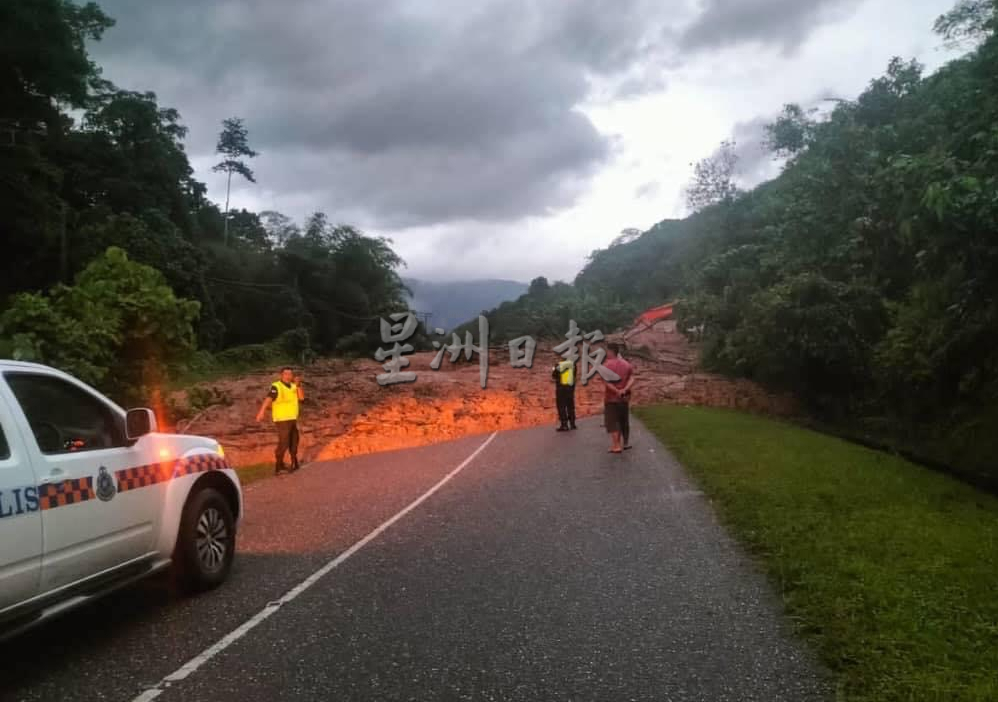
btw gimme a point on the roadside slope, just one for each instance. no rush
(348, 413)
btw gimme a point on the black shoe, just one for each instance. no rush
(562, 428)
(294, 465)
(572, 426)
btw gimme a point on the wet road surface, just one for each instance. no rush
(544, 569)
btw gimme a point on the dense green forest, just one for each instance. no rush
(864, 278)
(547, 309)
(96, 190)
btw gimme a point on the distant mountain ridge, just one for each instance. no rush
(456, 302)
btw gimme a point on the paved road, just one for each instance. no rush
(545, 569)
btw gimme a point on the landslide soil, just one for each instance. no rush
(346, 412)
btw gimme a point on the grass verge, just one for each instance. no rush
(252, 473)
(206, 368)
(889, 569)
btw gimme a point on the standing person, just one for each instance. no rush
(625, 397)
(563, 375)
(283, 399)
(615, 399)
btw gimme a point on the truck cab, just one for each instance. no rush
(93, 498)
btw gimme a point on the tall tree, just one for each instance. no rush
(713, 179)
(44, 68)
(44, 61)
(968, 21)
(233, 143)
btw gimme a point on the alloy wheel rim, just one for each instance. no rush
(212, 539)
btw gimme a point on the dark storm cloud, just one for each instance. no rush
(414, 113)
(783, 23)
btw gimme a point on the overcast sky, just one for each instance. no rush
(497, 138)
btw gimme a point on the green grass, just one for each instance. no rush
(252, 473)
(889, 569)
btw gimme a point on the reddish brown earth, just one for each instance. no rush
(346, 412)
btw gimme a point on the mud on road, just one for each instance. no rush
(347, 413)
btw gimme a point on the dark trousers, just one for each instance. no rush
(625, 423)
(616, 417)
(565, 399)
(287, 440)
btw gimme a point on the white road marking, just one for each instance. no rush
(199, 660)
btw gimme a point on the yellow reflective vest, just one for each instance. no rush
(285, 407)
(566, 370)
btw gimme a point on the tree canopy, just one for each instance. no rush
(87, 168)
(865, 277)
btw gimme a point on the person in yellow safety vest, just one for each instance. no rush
(283, 399)
(563, 374)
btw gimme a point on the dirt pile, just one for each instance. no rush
(662, 344)
(348, 413)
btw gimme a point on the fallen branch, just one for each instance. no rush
(182, 428)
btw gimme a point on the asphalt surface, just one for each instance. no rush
(547, 569)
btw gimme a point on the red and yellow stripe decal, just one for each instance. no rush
(68, 492)
(153, 473)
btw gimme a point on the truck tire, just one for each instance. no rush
(206, 543)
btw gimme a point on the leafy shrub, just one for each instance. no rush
(200, 397)
(247, 355)
(118, 327)
(294, 341)
(355, 344)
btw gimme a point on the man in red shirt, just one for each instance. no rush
(616, 397)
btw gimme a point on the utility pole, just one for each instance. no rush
(424, 319)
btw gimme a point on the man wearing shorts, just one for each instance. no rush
(616, 408)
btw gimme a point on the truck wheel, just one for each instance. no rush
(206, 544)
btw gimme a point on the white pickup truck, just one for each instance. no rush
(93, 498)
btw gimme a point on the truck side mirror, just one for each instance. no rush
(139, 422)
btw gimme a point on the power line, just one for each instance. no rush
(248, 283)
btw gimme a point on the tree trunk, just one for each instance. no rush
(225, 225)
(63, 245)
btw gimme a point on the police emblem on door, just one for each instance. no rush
(105, 485)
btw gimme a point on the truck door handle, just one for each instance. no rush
(55, 475)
